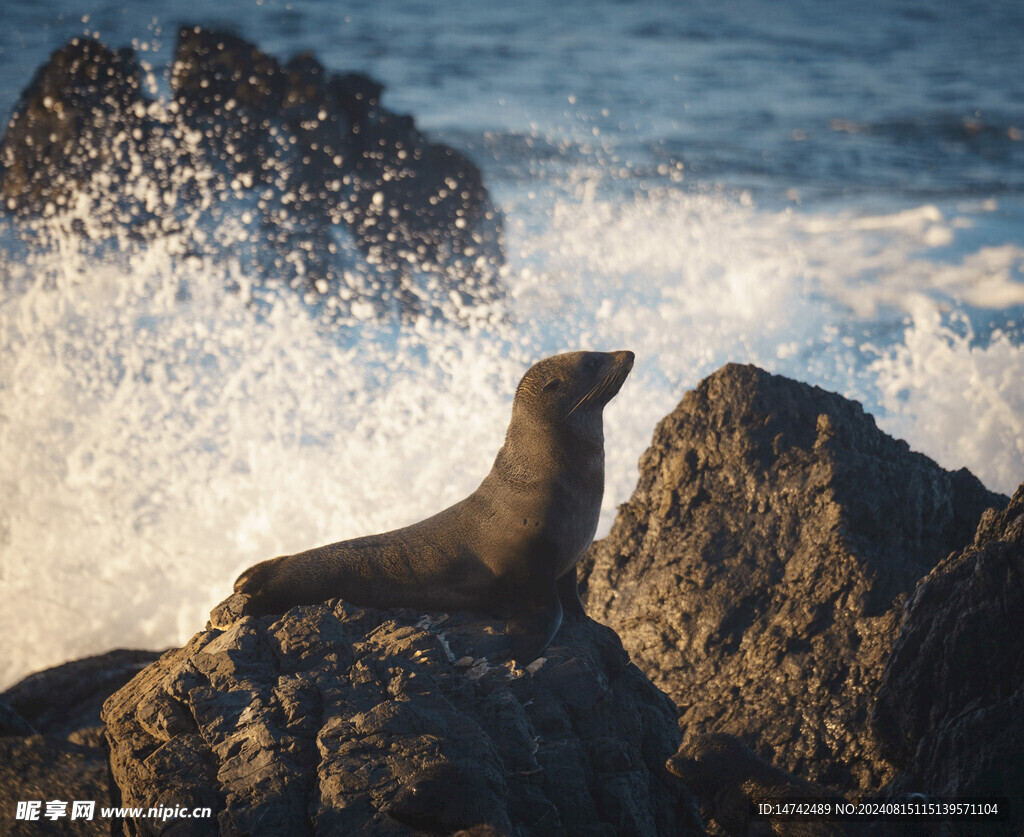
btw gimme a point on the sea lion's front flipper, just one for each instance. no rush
(569, 596)
(531, 629)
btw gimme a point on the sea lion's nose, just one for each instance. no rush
(624, 356)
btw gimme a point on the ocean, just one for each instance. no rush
(834, 192)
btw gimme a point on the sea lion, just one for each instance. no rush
(510, 548)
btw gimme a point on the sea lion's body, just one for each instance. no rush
(510, 548)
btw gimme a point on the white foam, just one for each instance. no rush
(960, 402)
(157, 447)
(692, 281)
(154, 447)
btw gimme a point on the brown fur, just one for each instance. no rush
(510, 548)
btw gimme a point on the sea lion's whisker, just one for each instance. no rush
(586, 397)
(606, 382)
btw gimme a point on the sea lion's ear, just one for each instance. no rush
(554, 383)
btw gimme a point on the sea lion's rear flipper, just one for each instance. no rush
(531, 629)
(569, 596)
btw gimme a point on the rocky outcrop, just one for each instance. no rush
(779, 572)
(758, 572)
(342, 158)
(283, 161)
(82, 112)
(69, 697)
(951, 705)
(729, 779)
(42, 769)
(51, 745)
(334, 719)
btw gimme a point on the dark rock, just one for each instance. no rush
(248, 113)
(758, 571)
(69, 697)
(343, 158)
(82, 110)
(731, 782)
(68, 762)
(11, 723)
(728, 777)
(313, 156)
(42, 769)
(427, 802)
(334, 719)
(951, 707)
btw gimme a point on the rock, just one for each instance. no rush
(272, 131)
(83, 115)
(42, 769)
(312, 155)
(334, 719)
(950, 710)
(11, 723)
(758, 572)
(69, 697)
(67, 762)
(728, 778)
(345, 159)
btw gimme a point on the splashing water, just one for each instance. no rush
(155, 446)
(159, 432)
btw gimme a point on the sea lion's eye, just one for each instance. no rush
(554, 383)
(590, 363)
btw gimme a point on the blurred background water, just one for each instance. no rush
(832, 191)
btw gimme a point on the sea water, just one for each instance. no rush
(832, 192)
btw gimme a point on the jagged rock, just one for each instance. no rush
(728, 778)
(334, 719)
(52, 744)
(274, 130)
(758, 571)
(951, 706)
(83, 112)
(69, 697)
(313, 156)
(405, 199)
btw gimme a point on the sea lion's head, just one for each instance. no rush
(571, 388)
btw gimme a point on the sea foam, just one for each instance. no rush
(158, 442)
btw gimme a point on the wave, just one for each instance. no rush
(156, 443)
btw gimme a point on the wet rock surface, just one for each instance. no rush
(757, 574)
(951, 706)
(339, 720)
(82, 112)
(283, 165)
